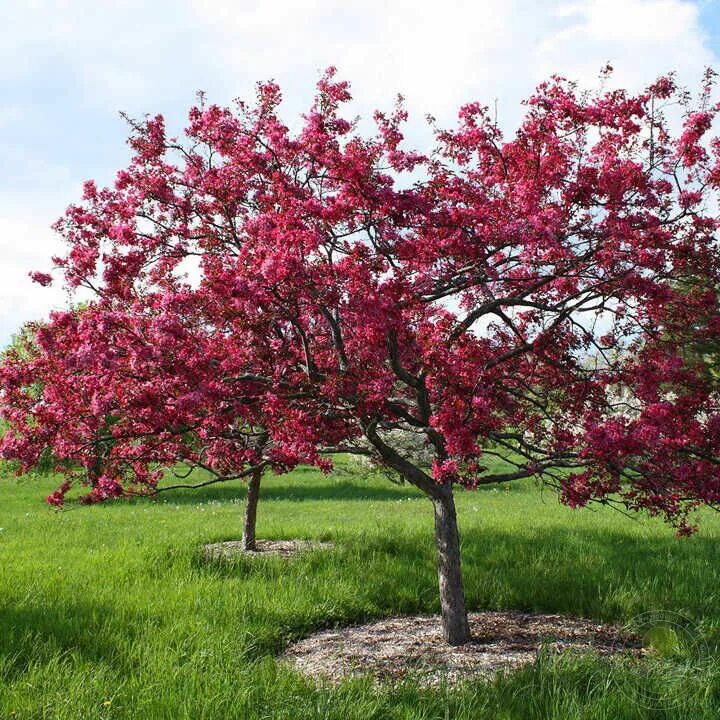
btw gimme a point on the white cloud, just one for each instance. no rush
(26, 244)
(115, 55)
(440, 55)
(436, 55)
(641, 38)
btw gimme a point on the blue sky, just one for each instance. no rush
(710, 22)
(67, 68)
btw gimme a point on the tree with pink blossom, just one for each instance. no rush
(335, 298)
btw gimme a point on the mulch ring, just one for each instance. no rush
(392, 649)
(233, 549)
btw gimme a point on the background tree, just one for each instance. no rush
(339, 300)
(24, 351)
(700, 346)
(21, 347)
(78, 390)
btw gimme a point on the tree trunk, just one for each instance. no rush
(452, 596)
(251, 503)
(96, 469)
(456, 629)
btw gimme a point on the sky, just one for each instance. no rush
(68, 67)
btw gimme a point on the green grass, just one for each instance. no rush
(109, 611)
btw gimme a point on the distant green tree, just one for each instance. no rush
(701, 346)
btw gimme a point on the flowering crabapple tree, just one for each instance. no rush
(21, 345)
(76, 389)
(24, 350)
(493, 306)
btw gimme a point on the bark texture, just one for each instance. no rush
(251, 503)
(452, 595)
(95, 470)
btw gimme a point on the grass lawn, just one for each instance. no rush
(110, 612)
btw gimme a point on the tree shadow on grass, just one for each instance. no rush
(600, 574)
(33, 635)
(294, 491)
(606, 576)
(297, 490)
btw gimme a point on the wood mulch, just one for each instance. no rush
(233, 549)
(395, 648)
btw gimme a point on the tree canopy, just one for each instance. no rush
(309, 284)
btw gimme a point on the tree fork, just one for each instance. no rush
(447, 539)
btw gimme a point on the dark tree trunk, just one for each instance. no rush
(96, 469)
(452, 596)
(251, 503)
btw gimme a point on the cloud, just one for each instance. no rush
(440, 55)
(139, 56)
(25, 244)
(641, 38)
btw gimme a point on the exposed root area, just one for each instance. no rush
(282, 548)
(394, 648)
